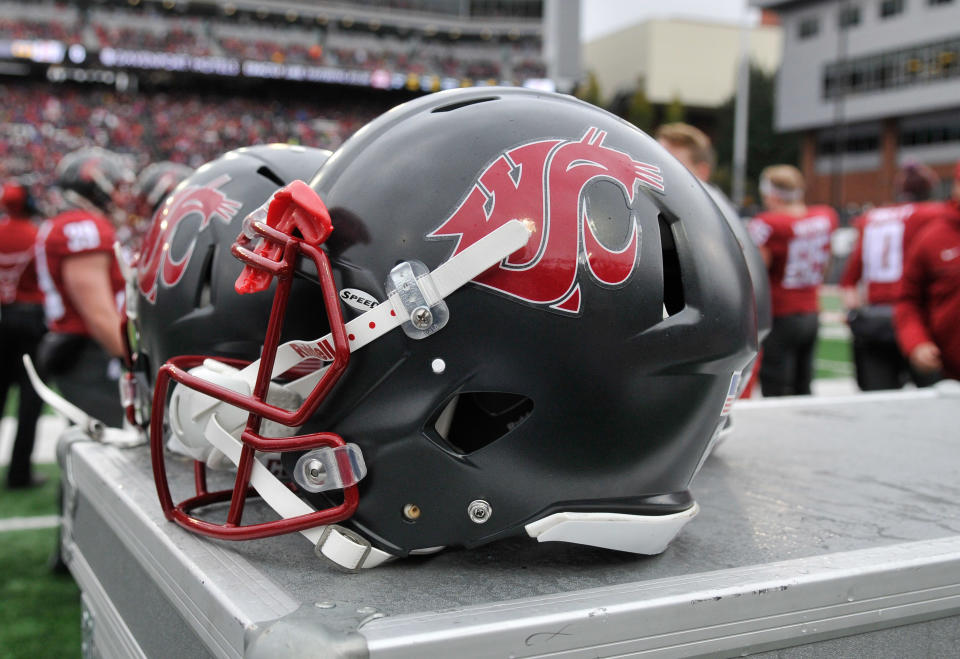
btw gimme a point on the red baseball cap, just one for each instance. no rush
(14, 197)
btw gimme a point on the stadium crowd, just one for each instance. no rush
(27, 29)
(175, 38)
(38, 126)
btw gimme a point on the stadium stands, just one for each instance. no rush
(107, 28)
(38, 21)
(491, 50)
(38, 124)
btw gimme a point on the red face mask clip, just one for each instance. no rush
(293, 209)
(296, 223)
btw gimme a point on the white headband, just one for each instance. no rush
(769, 189)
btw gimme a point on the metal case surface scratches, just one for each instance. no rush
(829, 525)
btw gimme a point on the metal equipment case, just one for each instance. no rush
(830, 526)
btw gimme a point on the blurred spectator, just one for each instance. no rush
(694, 150)
(871, 280)
(690, 146)
(794, 240)
(21, 324)
(915, 182)
(927, 315)
(82, 283)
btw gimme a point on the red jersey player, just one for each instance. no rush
(927, 314)
(21, 324)
(82, 283)
(871, 281)
(794, 240)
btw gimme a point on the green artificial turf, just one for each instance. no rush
(40, 610)
(34, 501)
(13, 398)
(833, 359)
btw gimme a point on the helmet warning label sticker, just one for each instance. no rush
(732, 392)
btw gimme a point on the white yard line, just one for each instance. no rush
(834, 366)
(29, 523)
(833, 331)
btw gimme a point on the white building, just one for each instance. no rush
(693, 62)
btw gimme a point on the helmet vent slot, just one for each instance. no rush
(463, 104)
(266, 172)
(473, 420)
(673, 294)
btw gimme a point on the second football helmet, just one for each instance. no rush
(154, 183)
(533, 320)
(99, 177)
(181, 298)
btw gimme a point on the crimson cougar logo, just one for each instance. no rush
(542, 182)
(156, 264)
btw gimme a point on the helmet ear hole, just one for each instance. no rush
(204, 296)
(673, 295)
(470, 421)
